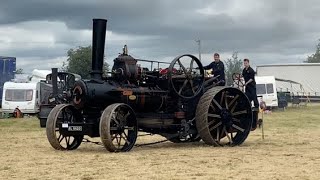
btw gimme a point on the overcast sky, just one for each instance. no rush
(39, 32)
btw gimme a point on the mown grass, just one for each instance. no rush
(290, 150)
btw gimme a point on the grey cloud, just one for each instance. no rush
(272, 28)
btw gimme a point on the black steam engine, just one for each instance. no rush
(177, 102)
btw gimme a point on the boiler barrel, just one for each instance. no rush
(100, 95)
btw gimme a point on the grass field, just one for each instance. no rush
(290, 150)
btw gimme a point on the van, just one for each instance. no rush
(24, 96)
(267, 90)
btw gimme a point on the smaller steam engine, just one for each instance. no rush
(177, 102)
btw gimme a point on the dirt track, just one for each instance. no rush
(291, 150)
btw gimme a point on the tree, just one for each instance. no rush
(19, 71)
(315, 58)
(232, 65)
(79, 62)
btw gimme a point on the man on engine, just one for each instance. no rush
(217, 67)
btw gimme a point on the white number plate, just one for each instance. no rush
(75, 128)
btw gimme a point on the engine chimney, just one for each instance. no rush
(98, 43)
(54, 81)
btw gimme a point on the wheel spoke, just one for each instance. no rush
(129, 128)
(183, 86)
(125, 138)
(191, 65)
(215, 126)
(113, 128)
(114, 137)
(66, 139)
(226, 132)
(226, 102)
(236, 120)
(192, 88)
(183, 68)
(222, 97)
(238, 128)
(119, 144)
(61, 139)
(240, 112)
(233, 100)
(234, 107)
(209, 123)
(216, 103)
(214, 115)
(218, 135)
(212, 107)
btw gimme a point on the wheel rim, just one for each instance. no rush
(63, 114)
(118, 128)
(186, 83)
(226, 118)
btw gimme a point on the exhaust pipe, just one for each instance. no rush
(98, 43)
(54, 82)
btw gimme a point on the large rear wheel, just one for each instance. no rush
(224, 116)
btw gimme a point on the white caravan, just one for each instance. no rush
(267, 90)
(24, 96)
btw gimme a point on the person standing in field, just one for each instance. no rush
(250, 83)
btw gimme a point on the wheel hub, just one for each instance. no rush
(226, 118)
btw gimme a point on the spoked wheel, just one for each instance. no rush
(238, 80)
(186, 82)
(224, 116)
(118, 128)
(63, 113)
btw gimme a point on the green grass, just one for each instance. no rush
(21, 124)
(294, 118)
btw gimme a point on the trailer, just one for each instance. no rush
(303, 74)
(7, 71)
(24, 96)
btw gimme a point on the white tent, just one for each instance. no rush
(38, 75)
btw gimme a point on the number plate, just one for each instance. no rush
(75, 128)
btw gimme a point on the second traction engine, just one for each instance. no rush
(177, 102)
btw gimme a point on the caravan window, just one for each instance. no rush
(270, 89)
(261, 89)
(18, 95)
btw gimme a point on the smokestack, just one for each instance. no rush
(98, 42)
(54, 81)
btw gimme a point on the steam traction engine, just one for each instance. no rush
(177, 102)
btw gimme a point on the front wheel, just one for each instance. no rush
(63, 113)
(118, 128)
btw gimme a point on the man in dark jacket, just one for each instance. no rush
(250, 83)
(217, 67)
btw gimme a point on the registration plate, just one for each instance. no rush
(75, 128)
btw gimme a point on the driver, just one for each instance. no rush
(217, 67)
